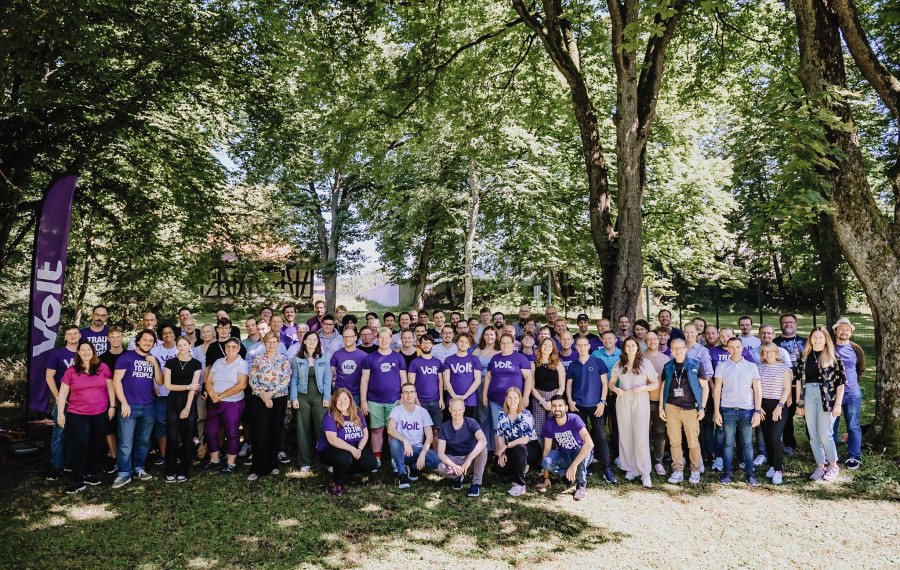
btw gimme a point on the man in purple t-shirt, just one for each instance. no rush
(346, 364)
(60, 360)
(315, 323)
(425, 372)
(96, 334)
(383, 373)
(289, 336)
(136, 375)
(574, 445)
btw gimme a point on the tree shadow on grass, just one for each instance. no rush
(281, 521)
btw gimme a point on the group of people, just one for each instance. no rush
(453, 397)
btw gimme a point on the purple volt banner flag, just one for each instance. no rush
(47, 277)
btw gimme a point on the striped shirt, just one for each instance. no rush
(770, 376)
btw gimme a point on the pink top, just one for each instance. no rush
(87, 394)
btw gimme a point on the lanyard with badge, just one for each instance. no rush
(678, 391)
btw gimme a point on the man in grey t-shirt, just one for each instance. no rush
(738, 405)
(410, 426)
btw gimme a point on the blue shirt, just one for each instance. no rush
(587, 384)
(608, 359)
(848, 356)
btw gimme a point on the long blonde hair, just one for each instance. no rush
(828, 357)
(553, 360)
(336, 413)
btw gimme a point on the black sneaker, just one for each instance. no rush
(457, 484)
(852, 463)
(404, 482)
(91, 480)
(474, 490)
(228, 469)
(75, 488)
(160, 461)
(111, 467)
(211, 466)
(413, 474)
(54, 473)
(283, 458)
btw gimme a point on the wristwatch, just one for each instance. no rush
(780, 404)
(757, 411)
(602, 401)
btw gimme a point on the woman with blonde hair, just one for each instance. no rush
(342, 445)
(549, 380)
(775, 378)
(519, 443)
(819, 377)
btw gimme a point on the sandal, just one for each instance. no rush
(544, 485)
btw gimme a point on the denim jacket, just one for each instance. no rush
(692, 367)
(300, 372)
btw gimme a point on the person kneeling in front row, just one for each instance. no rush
(574, 446)
(411, 434)
(342, 445)
(461, 445)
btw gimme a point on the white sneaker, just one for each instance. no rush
(777, 479)
(677, 477)
(717, 464)
(305, 469)
(660, 470)
(517, 490)
(760, 459)
(702, 467)
(646, 482)
(770, 473)
(695, 477)
(631, 475)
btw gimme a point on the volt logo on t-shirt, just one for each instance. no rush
(506, 364)
(461, 368)
(429, 369)
(386, 366)
(348, 367)
(408, 426)
(69, 362)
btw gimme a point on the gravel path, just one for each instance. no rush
(667, 527)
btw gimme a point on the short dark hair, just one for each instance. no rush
(107, 308)
(348, 318)
(350, 329)
(140, 335)
(498, 313)
(457, 313)
(423, 312)
(484, 310)
(736, 339)
(608, 332)
(417, 325)
(436, 311)
(178, 312)
(288, 306)
(367, 327)
(371, 314)
(403, 313)
(782, 317)
(642, 323)
(426, 337)
(558, 397)
(619, 318)
(745, 317)
(70, 327)
(223, 322)
(661, 311)
(328, 318)
(388, 314)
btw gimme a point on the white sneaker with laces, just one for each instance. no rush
(770, 473)
(631, 475)
(717, 464)
(760, 459)
(695, 477)
(777, 479)
(677, 477)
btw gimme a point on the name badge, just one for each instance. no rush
(679, 392)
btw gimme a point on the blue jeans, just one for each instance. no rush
(559, 460)
(401, 461)
(851, 406)
(160, 410)
(734, 420)
(134, 439)
(60, 446)
(820, 425)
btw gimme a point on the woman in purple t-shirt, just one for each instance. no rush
(342, 444)
(88, 389)
(507, 369)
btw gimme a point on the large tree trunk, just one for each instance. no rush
(471, 231)
(619, 246)
(85, 278)
(867, 240)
